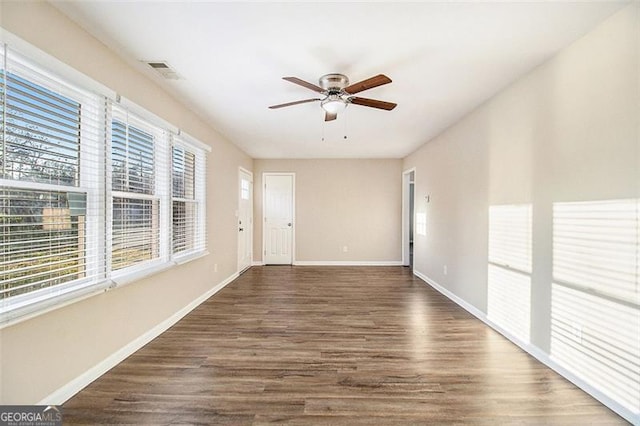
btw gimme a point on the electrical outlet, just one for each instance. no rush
(345, 249)
(215, 267)
(444, 269)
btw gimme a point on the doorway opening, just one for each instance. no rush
(408, 216)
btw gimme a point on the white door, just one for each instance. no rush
(245, 219)
(278, 218)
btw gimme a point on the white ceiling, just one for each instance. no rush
(444, 59)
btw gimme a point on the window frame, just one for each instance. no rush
(198, 201)
(97, 186)
(159, 194)
(88, 153)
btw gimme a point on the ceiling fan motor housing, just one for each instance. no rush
(334, 82)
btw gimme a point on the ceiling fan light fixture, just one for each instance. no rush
(333, 104)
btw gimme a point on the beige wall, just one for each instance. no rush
(568, 131)
(42, 354)
(353, 203)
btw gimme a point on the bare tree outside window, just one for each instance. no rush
(41, 235)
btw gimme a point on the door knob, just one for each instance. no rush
(289, 224)
(241, 229)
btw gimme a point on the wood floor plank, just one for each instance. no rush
(332, 345)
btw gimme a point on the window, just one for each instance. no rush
(76, 217)
(43, 239)
(245, 189)
(187, 188)
(137, 150)
(42, 134)
(49, 166)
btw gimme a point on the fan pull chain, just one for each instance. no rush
(345, 123)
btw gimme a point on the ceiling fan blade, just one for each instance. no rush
(373, 103)
(369, 83)
(296, 80)
(330, 116)
(293, 103)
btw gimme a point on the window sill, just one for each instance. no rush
(76, 294)
(127, 277)
(27, 311)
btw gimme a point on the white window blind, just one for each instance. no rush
(188, 192)
(51, 196)
(87, 191)
(41, 134)
(509, 268)
(595, 309)
(138, 162)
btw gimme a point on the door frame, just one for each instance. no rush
(293, 213)
(242, 170)
(406, 181)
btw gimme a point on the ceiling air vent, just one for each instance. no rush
(164, 70)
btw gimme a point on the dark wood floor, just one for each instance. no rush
(332, 345)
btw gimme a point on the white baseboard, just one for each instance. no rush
(346, 263)
(76, 385)
(337, 263)
(535, 352)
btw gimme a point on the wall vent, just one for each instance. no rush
(164, 69)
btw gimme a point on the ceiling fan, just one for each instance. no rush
(338, 93)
